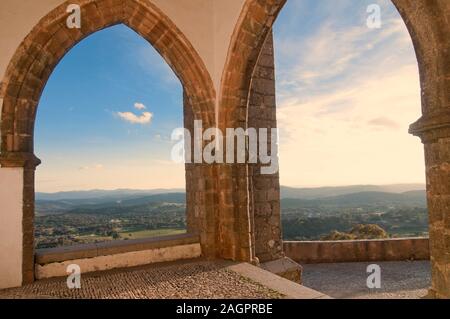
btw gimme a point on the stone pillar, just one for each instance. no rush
(23, 166)
(217, 202)
(429, 26)
(201, 195)
(434, 130)
(265, 189)
(201, 209)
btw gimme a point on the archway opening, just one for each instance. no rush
(348, 88)
(103, 133)
(28, 71)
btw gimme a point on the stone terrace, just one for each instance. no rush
(399, 280)
(187, 280)
(220, 279)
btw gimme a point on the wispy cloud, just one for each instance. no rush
(144, 118)
(332, 57)
(130, 117)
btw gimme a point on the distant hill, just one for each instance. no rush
(361, 199)
(97, 194)
(321, 192)
(411, 195)
(49, 207)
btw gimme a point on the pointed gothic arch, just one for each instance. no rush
(38, 55)
(429, 29)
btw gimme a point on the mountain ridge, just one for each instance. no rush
(415, 198)
(409, 199)
(286, 192)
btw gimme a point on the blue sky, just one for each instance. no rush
(346, 95)
(81, 138)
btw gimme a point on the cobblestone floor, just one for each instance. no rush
(200, 279)
(203, 279)
(399, 280)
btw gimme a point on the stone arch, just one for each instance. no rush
(248, 40)
(426, 23)
(429, 28)
(254, 26)
(40, 52)
(50, 39)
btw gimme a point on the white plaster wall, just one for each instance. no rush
(226, 15)
(17, 19)
(209, 25)
(11, 180)
(196, 20)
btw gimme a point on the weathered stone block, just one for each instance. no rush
(286, 268)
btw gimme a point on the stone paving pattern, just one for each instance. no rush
(399, 280)
(188, 280)
(212, 280)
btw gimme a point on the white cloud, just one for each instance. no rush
(330, 58)
(144, 118)
(139, 106)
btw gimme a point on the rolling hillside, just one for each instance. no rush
(354, 200)
(105, 204)
(84, 217)
(321, 192)
(347, 196)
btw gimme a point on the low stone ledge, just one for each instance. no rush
(286, 268)
(286, 287)
(310, 252)
(61, 254)
(120, 261)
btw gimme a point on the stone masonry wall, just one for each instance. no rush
(437, 159)
(201, 195)
(429, 25)
(265, 189)
(316, 252)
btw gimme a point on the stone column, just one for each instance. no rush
(201, 195)
(434, 130)
(217, 202)
(265, 189)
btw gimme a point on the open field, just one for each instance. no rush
(133, 235)
(151, 233)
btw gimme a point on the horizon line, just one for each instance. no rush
(184, 188)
